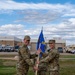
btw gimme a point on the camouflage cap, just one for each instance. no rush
(51, 41)
(27, 37)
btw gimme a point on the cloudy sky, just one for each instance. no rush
(27, 17)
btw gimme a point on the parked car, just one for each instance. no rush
(16, 48)
(12, 49)
(9, 49)
(60, 49)
(0, 48)
(73, 51)
(3, 48)
(68, 51)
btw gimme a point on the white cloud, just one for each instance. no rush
(72, 20)
(38, 16)
(41, 14)
(10, 4)
(17, 30)
(50, 31)
(11, 29)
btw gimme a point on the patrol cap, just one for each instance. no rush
(51, 41)
(27, 37)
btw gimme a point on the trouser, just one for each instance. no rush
(53, 73)
(22, 70)
(42, 70)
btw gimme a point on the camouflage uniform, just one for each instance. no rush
(42, 68)
(53, 62)
(24, 60)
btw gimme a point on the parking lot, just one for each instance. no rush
(8, 48)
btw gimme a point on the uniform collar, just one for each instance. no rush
(24, 45)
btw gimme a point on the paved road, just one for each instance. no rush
(8, 53)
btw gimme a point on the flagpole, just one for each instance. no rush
(37, 65)
(41, 47)
(36, 72)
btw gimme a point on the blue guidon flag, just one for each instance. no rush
(41, 42)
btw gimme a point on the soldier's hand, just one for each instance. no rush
(37, 62)
(38, 51)
(35, 68)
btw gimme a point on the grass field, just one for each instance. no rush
(67, 66)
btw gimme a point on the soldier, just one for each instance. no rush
(24, 57)
(52, 59)
(42, 68)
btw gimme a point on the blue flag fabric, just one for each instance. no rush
(41, 42)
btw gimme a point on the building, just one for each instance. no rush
(70, 47)
(60, 43)
(13, 41)
(10, 40)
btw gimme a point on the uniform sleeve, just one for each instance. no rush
(49, 57)
(52, 56)
(44, 54)
(26, 56)
(44, 59)
(33, 56)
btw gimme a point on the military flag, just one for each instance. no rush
(40, 45)
(41, 42)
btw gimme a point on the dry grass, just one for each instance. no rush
(67, 66)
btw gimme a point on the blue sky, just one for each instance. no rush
(47, 1)
(27, 17)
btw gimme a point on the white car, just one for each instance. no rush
(0, 48)
(73, 51)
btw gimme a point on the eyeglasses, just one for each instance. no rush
(50, 43)
(28, 40)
